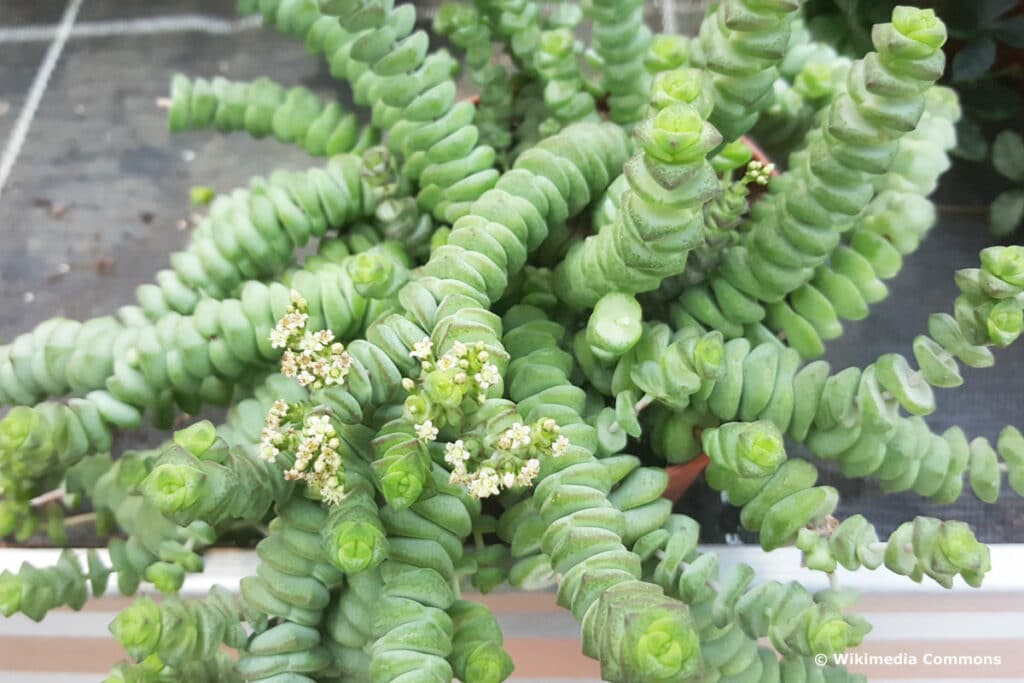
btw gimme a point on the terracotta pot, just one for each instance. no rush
(681, 477)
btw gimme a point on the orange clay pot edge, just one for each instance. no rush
(681, 477)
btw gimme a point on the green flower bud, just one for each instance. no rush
(1005, 322)
(166, 577)
(920, 25)
(676, 134)
(829, 635)
(454, 16)
(682, 86)
(559, 43)
(442, 387)
(138, 628)
(488, 663)
(10, 593)
(360, 546)
(401, 487)
(959, 546)
(1006, 263)
(760, 450)
(419, 408)
(817, 554)
(662, 647)
(815, 81)
(667, 52)
(16, 427)
(371, 274)
(173, 487)
(376, 163)
(196, 438)
(709, 355)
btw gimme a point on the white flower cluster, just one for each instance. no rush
(317, 460)
(516, 462)
(316, 450)
(313, 358)
(274, 434)
(292, 325)
(470, 366)
(759, 172)
(426, 431)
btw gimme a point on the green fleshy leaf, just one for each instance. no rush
(1008, 155)
(1007, 212)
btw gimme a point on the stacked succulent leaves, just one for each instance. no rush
(519, 311)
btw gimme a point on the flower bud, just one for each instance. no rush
(1005, 322)
(489, 663)
(682, 86)
(815, 81)
(961, 549)
(1006, 263)
(138, 628)
(829, 634)
(675, 133)
(16, 427)
(360, 546)
(401, 487)
(173, 487)
(166, 577)
(709, 355)
(559, 43)
(760, 450)
(667, 51)
(920, 25)
(196, 438)
(665, 648)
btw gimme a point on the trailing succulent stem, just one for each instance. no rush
(514, 310)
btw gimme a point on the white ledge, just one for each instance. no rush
(226, 567)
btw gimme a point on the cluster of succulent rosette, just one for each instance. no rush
(519, 310)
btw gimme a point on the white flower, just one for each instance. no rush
(483, 483)
(560, 445)
(459, 349)
(278, 410)
(408, 384)
(421, 350)
(447, 362)
(528, 472)
(268, 451)
(459, 474)
(309, 343)
(426, 431)
(518, 435)
(508, 480)
(487, 376)
(318, 427)
(279, 338)
(297, 299)
(331, 491)
(456, 452)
